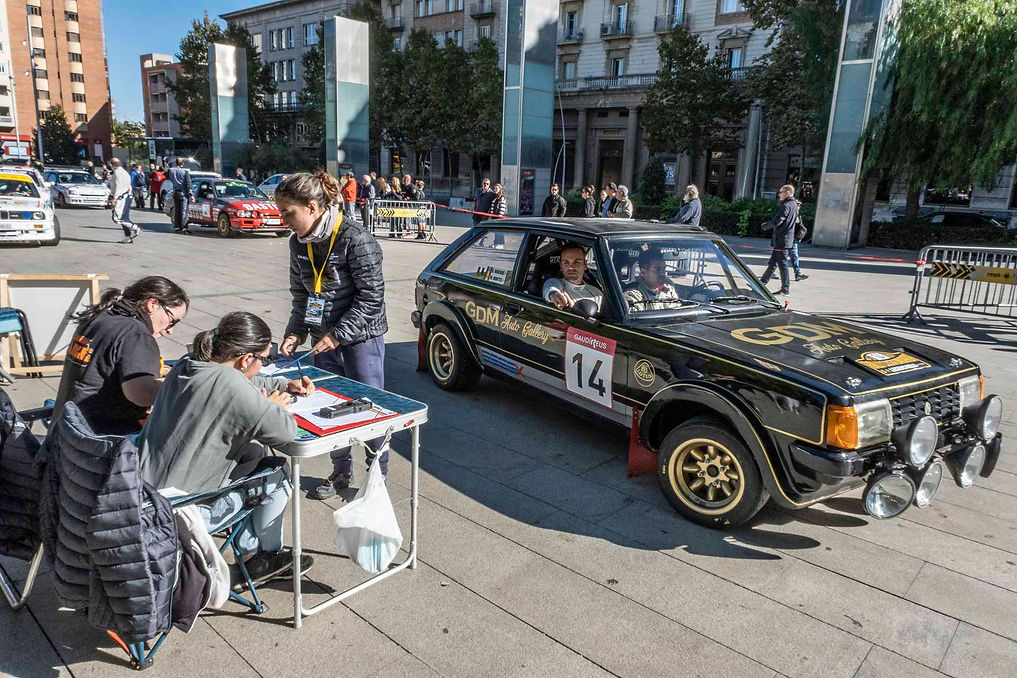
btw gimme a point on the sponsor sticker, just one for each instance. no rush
(589, 365)
(889, 363)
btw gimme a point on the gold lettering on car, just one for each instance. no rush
(509, 323)
(536, 331)
(485, 315)
(783, 334)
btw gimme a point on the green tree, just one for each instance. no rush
(57, 138)
(795, 77)
(951, 119)
(312, 96)
(125, 130)
(414, 119)
(192, 88)
(652, 183)
(693, 105)
(484, 102)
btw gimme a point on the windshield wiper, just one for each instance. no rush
(680, 302)
(741, 299)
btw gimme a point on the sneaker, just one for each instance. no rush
(783, 292)
(332, 485)
(265, 567)
(799, 278)
(128, 240)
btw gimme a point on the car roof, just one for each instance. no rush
(598, 227)
(15, 175)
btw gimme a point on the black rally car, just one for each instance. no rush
(740, 400)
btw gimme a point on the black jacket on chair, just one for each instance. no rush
(110, 536)
(20, 483)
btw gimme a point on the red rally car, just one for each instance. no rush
(234, 207)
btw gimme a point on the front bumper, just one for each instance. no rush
(28, 234)
(258, 225)
(87, 200)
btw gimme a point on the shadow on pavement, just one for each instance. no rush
(1000, 334)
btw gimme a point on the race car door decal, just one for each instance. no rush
(589, 365)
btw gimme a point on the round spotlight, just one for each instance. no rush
(928, 484)
(888, 494)
(967, 464)
(990, 413)
(920, 441)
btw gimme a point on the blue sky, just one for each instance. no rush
(136, 27)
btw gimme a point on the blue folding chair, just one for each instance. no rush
(14, 321)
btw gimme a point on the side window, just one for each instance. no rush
(543, 261)
(491, 257)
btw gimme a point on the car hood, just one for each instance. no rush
(827, 350)
(85, 189)
(263, 206)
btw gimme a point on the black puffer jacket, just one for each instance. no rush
(353, 287)
(783, 225)
(20, 480)
(110, 537)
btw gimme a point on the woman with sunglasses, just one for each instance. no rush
(200, 435)
(113, 369)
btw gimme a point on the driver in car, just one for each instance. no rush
(565, 291)
(653, 291)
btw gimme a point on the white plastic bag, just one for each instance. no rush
(368, 531)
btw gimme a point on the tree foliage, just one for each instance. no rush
(312, 97)
(693, 105)
(125, 130)
(192, 86)
(652, 185)
(57, 137)
(483, 101)
(795, 77)
(952, 119)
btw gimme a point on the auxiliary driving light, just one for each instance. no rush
(888, 494)
(984, 420)
(917, 442)
(928, 483)
(967, 464)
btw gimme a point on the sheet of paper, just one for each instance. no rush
(307, 407)
(270, 370)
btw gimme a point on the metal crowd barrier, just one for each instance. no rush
(979, 280)
(402, 219)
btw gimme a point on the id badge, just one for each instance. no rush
(315, 313)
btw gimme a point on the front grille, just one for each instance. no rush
(11, 215)
(945, 402)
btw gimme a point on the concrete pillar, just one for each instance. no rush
(579, 172)
(631, 149)
(747, 160)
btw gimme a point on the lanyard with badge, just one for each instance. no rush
(315, 312)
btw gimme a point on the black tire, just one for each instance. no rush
(222, 226)
(56, 235)
(704, 445)
(451, 366)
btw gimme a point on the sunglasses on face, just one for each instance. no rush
(173, 319)
(265, 359)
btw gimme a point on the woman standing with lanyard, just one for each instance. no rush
(338, 296)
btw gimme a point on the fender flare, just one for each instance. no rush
(709, 399)
(442, 309)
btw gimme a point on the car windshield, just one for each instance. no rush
(17, 188)
(674, 275)
(238, 189)
(76, 178)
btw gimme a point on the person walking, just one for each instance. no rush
(622, 208)
(589, 204)
(482, 201)
(554, 204)
(120, 201)
(155, 179)
(343, 312)
(349, 193)
(181, 180)
(691, 211)
(366, 195)
(138, 183)
(801, 232)
(783, 226)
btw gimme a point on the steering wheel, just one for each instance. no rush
(703, 288)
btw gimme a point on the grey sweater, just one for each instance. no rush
(203, 419)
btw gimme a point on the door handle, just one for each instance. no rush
(513, 309)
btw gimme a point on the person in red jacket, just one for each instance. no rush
(349, 193)
(156, 175)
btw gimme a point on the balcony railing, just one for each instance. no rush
(282, 107)
(607, 82)
(664, 24)
(569, 36)
(616, 29)
(742, 73)
(395, 23)
(481, 9)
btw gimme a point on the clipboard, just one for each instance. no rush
(304, 409)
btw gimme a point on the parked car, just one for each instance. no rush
(37, 178)
(26, 215)
(741, 401)
(269, 185)
(955, 218)
(166, 188)
(234, 207)
(73, 188)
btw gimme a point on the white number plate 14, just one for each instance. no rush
(589, 365)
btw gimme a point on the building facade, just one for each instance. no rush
(55, 54)
(161, 108)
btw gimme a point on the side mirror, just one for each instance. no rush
(587, 308)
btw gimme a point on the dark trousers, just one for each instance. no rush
(153, 198)
(179, 210)
(363, 362)
(778, 259)
(365, 214)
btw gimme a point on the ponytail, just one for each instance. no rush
(307, 187)
(163, 290)
(201, 348)
(237, 333)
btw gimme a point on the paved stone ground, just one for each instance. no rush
(539, 557)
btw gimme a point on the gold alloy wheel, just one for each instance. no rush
(706, 476)
(441, 356)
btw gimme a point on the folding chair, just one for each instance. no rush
(254, 487)
(14, 321)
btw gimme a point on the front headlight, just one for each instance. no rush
(861, 425)
(244, 214)
(916, 442)
(970, 391)
(887, 494)
(72, 191)
(38, 215)
(988, 417)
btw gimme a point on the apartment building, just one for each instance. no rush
(53, 52)
(14, 140)
(160, 105)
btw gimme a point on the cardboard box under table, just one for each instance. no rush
(408, 415)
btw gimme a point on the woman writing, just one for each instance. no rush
(112, 369)
(199, 436)
(338, 296)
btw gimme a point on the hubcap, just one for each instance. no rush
(442, 358)
(706, 476)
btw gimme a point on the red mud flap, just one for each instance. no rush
(421, 350)
(642, 460)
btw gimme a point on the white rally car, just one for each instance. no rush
(25, 214)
